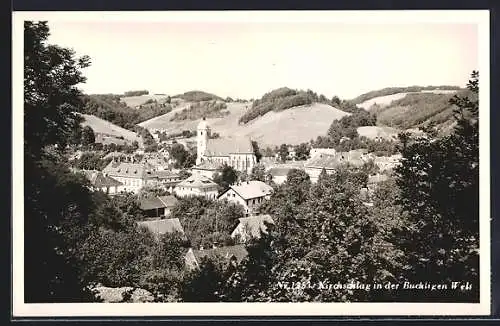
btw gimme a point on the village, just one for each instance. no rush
(135, 172)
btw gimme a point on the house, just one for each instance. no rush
(197, 185)
(330, 162)
(165, 179)
(249, 194)
(157, 206)
(279, 174)
(231, 254)
(235, 152)
(207, 169)
(133, 176)
(252, 227)
(387, 163)
(163, 226)
(316, 151)
(101, 182)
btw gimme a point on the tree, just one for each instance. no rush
(88, 136)
(256, 150)
(302, 151)
(258, 173)
(225, 177)
(439, 181)
(52, 228)
(283, 152)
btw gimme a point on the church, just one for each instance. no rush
(235, 152)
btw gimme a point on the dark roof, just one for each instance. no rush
(99, 180)
(197, 181)
(237, 251)
(151, 203)
(227, 146)
(169, 201)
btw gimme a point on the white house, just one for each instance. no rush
(252, 227)
(249, 194)
(235, 152)
(279, 174)
(207, 169)
(101, 182)
(197, 185)
(133, 176)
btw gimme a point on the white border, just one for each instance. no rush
(20, 309)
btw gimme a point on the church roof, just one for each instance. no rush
(227, 146)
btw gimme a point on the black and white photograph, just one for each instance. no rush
(220, 163)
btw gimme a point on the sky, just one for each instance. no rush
(248, 59)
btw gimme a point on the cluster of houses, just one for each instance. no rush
(126, 173)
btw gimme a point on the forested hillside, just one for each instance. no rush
(109, 107)
(197, 96)
(394, 90)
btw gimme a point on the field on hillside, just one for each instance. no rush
(105, 127)
(378, 131)
(133, 101)
(292, 126)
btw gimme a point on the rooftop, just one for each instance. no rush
(227, 146)
(99, 180)
(197, 181)
(160, 227)
(126, 169)
(252, 189)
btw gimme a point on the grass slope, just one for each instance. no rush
(292, 126)
(105, 127)
(134, 101)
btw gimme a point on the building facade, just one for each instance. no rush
(197, 185)
(235, 152)
(249, 194)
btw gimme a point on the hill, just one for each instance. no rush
(111, 108)
(105, 127)
(292, 126)
(381, 132)
(281, 99)
(197, 96)
(135, 101)
(415, 110)
(395, 90)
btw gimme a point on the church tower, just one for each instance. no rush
(202, 136)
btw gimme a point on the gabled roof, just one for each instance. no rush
(252, 189)
(126, 169)
(324, 161)
(160, 227)
(238, 251)
(164, 174)
(169, 201)
(99, 180)
(228, 146)
(254, 226)
(197, 181)
(151, 203)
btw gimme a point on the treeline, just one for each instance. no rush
(109, 107)
(394, 90)
(198, 110)
(278, 100)
(198, 96)
(136, 93)
(419, 109)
